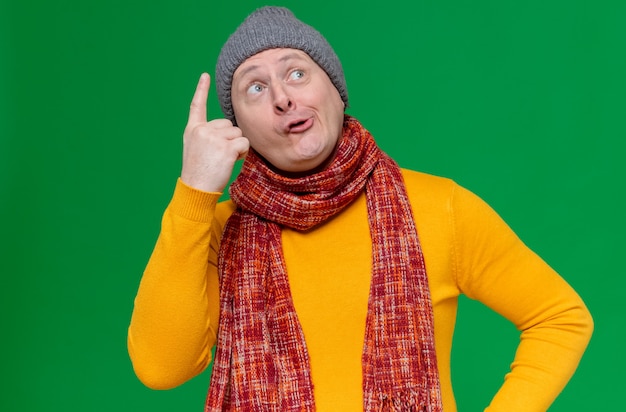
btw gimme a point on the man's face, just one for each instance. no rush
(288, 108)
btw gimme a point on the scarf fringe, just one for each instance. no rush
(408, 401)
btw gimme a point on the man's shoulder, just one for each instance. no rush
(430, 195)
(426, 182)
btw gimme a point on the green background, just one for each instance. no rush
(521, 102)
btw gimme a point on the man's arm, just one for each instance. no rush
(497, 269)
(174, 321)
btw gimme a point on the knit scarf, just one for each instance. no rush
(261, 362)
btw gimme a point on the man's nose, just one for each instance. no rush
(282, 101)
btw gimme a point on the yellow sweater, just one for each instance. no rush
(467, 248)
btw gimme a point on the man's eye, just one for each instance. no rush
(296, 74)
(255, 88)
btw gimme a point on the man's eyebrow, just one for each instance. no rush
(282, 59)
(291, 56)
(245, 71)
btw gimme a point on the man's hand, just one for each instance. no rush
(210, 149)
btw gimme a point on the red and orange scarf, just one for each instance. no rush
(262, 362)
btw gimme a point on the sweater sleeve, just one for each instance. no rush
(496, 268)
(176, 310)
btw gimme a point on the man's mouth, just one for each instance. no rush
(300, 125)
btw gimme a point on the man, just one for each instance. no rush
(330, 280)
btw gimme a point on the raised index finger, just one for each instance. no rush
(197, 110)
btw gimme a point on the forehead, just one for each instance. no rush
(270, 57)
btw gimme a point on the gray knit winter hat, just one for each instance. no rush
(269, 28)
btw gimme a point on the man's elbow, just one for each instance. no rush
(156, 379)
